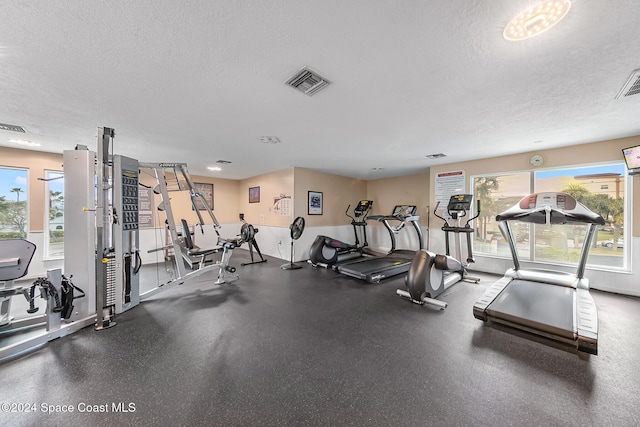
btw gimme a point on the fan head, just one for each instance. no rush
(297, 227)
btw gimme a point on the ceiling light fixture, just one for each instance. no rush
(214, 168)
(436, 156)
(27, 143)
(536, 19)
(223, 162)
(377, 169)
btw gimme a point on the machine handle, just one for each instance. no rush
(435, 212)
(347, 213)
(138, 263)
(476, 215)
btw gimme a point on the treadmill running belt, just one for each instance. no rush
(374, 265)
(541, 306)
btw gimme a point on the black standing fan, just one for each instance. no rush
(296, 227)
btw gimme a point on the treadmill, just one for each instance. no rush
(553, 306)
(398, 261)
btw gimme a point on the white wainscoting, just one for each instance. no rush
(275, 242)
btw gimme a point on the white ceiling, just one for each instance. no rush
(201, 80)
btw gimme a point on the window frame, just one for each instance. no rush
(47, 222)
(531, 258)
(26, 195)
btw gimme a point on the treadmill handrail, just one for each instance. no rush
(534, 210)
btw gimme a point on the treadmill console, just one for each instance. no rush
(363, 207)
(404, 210)
(550, 208)
(560, 201)
(460, 202)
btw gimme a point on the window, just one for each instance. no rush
(13, 203)
(601, 188)
(54, 214)
(586, 185)
(497, 193)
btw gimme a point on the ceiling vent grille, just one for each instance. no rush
(631, 87)
(270, 140)
(223, 162)
(436, 156)
(307, 81)
(12, 128)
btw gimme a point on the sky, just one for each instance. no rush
(617, 168)
(12, 178)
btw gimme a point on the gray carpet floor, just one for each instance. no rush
(310, 347)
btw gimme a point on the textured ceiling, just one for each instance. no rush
(202, 80)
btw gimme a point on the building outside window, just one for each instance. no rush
(601, 188)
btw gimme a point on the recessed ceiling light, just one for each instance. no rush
(536, 19)
(27, 143)
(214, 168)
(269, 140)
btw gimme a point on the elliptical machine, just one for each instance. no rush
(326, 251)
(431, 274)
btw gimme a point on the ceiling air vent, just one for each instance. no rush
(631, 87)
(223, 162)
(12, 128)
(307, 81)
(436, 156)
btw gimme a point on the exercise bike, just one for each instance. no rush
(326, 251)
(431, 274)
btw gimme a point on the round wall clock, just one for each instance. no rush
(536, 160)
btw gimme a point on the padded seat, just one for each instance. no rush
(197, 251)
(230, 243)
(191, 250)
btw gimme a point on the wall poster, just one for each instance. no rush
(447, 184)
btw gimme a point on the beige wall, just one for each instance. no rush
(596, 152)
(225, 199)
(272, 187)
(36, 162)
(231, 197)
(338, 192)
(226, 192)
(403, 190)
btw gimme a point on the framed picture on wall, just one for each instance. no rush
(254, 194)
(207, 192)
(315, 203)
